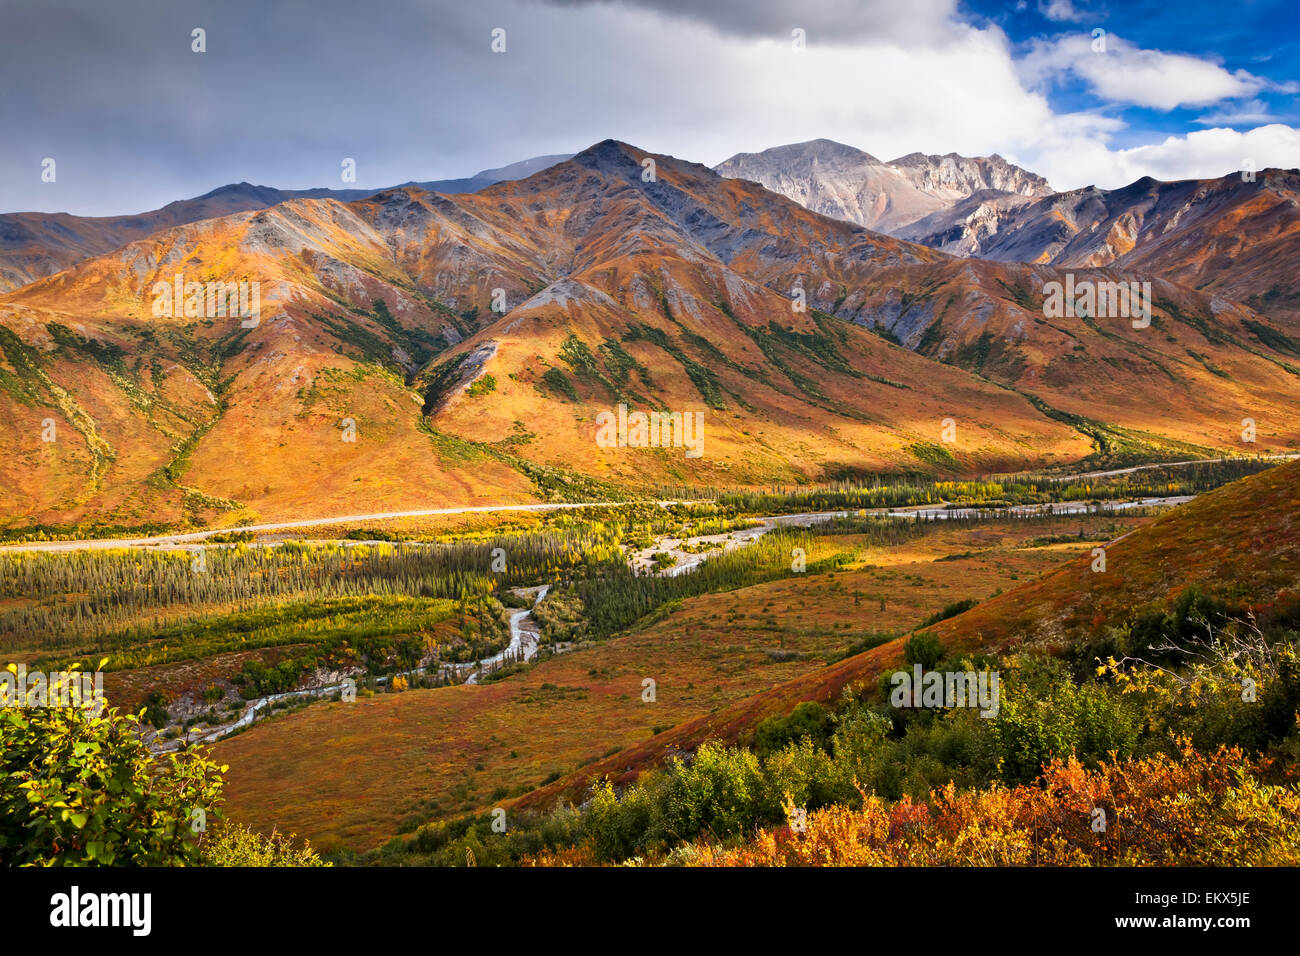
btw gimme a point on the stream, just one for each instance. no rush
(525, 636)
(524, 640)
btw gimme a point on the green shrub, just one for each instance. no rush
(808, 775)
(79, 789)
(722, 791)
(559, 383)
(240, 846)
(923, 649)
(617, 828)
(1160, 637)
(1089, 721)
(808, 720)
(155, 709)
(949, 610)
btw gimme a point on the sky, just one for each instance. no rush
(283, 93)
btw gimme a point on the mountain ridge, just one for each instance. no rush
(847, 183)
(1229, 234)
(673, 291)
(33, 245)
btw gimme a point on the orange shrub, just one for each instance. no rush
(1197, 810)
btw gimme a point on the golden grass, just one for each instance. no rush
(348, 774)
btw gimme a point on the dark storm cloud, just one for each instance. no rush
(823, 21)
(134, 118)
(411, 90)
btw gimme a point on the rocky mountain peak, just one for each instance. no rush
(847, 183)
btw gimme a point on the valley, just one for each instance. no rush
(369, 544)
(761, 648)
(745, 603)
(505, 738)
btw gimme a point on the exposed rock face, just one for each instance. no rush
(967, 175)
(846, 183)
(1237, 237)
(967, 227)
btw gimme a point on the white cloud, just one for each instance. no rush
(1060, 11)
(1202, 154)
(1213, 152)
(709, 97)
(889, 99)
(435, 103)
(1123, 73)
(1254, 112)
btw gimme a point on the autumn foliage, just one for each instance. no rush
(1190, 810)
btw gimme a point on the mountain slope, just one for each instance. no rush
(983, 317)
(675, 293)
(1233, 237)
(814, 397)
(161, 419)
(33, 245)
(1236, 238)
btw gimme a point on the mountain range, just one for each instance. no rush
(420, 349)
(1230, 235)
(1235, 235)
(33, 245)
(846, 183)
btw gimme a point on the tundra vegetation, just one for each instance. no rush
(1155, 734)
(1181, 715)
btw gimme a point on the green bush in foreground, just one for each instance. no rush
(79, 789)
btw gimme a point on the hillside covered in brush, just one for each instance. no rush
(1234, 552)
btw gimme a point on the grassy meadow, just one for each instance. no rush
(758, 672)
